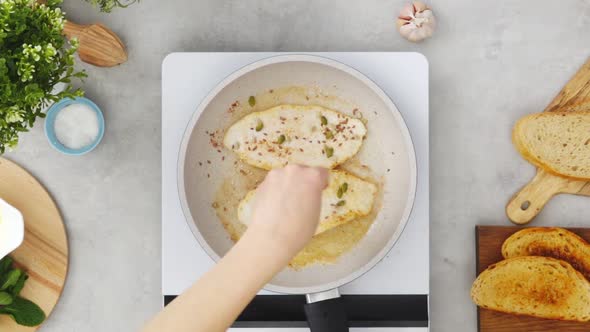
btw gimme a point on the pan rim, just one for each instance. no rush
(298, 57)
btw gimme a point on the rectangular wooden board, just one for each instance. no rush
(489, 241)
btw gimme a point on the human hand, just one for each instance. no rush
(287, 206)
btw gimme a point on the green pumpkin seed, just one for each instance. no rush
(329, 151)
(324, 120)
(281, 139)
(340, 203)
(344, 187)
(339, 193)
(252, 101)
(329, 134)
(259, 126)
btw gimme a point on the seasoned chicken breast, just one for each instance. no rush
(346, 198)
(307, 135)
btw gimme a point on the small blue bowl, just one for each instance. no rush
(50, 122)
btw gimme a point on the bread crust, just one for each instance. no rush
(552, 242)
(557, 292)
(525, 153)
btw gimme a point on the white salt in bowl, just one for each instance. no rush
(50, 127)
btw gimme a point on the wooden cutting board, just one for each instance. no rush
(529, 201)
(44, 252)
(489, 241)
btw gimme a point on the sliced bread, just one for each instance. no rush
(536, 286)
(558, 142)
(550, 242)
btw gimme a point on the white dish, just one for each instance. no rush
(12, 228)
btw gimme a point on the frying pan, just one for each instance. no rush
(388, 150)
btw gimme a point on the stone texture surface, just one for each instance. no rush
(490, 61)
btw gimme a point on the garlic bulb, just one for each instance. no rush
(416, 22)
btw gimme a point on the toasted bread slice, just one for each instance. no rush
(558, 142)
(550, 242)
(535, 286)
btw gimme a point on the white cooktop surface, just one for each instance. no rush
(186, 80)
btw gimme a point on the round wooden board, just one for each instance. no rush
(44, 252)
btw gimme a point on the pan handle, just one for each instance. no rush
(325, 312)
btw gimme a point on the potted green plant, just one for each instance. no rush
(108, 5)
(34, 59)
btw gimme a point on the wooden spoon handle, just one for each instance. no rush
(72, 30)
(530, 200)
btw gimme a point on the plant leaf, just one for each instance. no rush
(18, 287)
(5, 298)
(24, 312)
(5, 265)
(11, 279)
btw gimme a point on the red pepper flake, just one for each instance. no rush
(300, 149)
(251, 128)
(256, 147)
(282, 118)
(233, 106)
(224, 208)
(222, 158)
(260, 154)
(296, 137)
(271, 150)
(219, 151)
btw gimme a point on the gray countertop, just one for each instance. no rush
(490, 63)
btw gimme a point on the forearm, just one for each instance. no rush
(215, 300)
